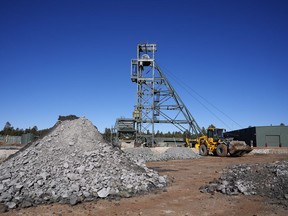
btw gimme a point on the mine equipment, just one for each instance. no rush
(125, 128)
(214, 142)
(158, 102)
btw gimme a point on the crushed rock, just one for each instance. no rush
(270, 180)
(70, 165)
(147, 154)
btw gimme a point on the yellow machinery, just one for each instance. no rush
(213, 142)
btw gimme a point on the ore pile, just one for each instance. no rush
(146, 154)
(70, 165)
(270, 180)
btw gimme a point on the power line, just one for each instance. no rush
(186, 87)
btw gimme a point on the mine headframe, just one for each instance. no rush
(157, 101)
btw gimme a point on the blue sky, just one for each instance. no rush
(73, 57)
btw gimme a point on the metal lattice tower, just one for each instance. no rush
(157, 101)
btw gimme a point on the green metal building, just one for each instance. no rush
(262, 136)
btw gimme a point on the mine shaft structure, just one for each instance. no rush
(157, 101)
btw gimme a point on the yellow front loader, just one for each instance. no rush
(213, 142)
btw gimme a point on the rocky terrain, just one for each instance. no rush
(70, 165)
(270, 180)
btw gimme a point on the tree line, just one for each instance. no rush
(11, 131)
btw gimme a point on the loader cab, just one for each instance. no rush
(215, 133)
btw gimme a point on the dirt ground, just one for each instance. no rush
(182, 197)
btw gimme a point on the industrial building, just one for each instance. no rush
(262, 136)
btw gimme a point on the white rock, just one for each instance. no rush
(65, 165)
(11, 205)
(104, 192)
(162, 179)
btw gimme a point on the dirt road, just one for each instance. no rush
(182, 197)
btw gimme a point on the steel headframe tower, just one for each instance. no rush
(157, 101)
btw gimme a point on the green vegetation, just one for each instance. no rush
(11, 131)
(107, 134)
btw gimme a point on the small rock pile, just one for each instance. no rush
(179, 153)
(269, 180)
(141, 154)
(70, 165)
(174, 153)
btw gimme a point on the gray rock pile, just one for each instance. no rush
(146, 154)
(270, 180)
(179, 153)
(139, 154)
(70, 165)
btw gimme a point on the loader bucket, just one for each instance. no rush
(238, 148)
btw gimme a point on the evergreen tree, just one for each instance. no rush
(107, 135)
(7, 125)
(8, 129)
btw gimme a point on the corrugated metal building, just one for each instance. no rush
(24, 139)
(262, 136)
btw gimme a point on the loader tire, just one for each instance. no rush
(221, 150)
(203, 151)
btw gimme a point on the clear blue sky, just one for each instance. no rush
(73, 57)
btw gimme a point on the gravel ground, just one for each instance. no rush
(271, 150)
